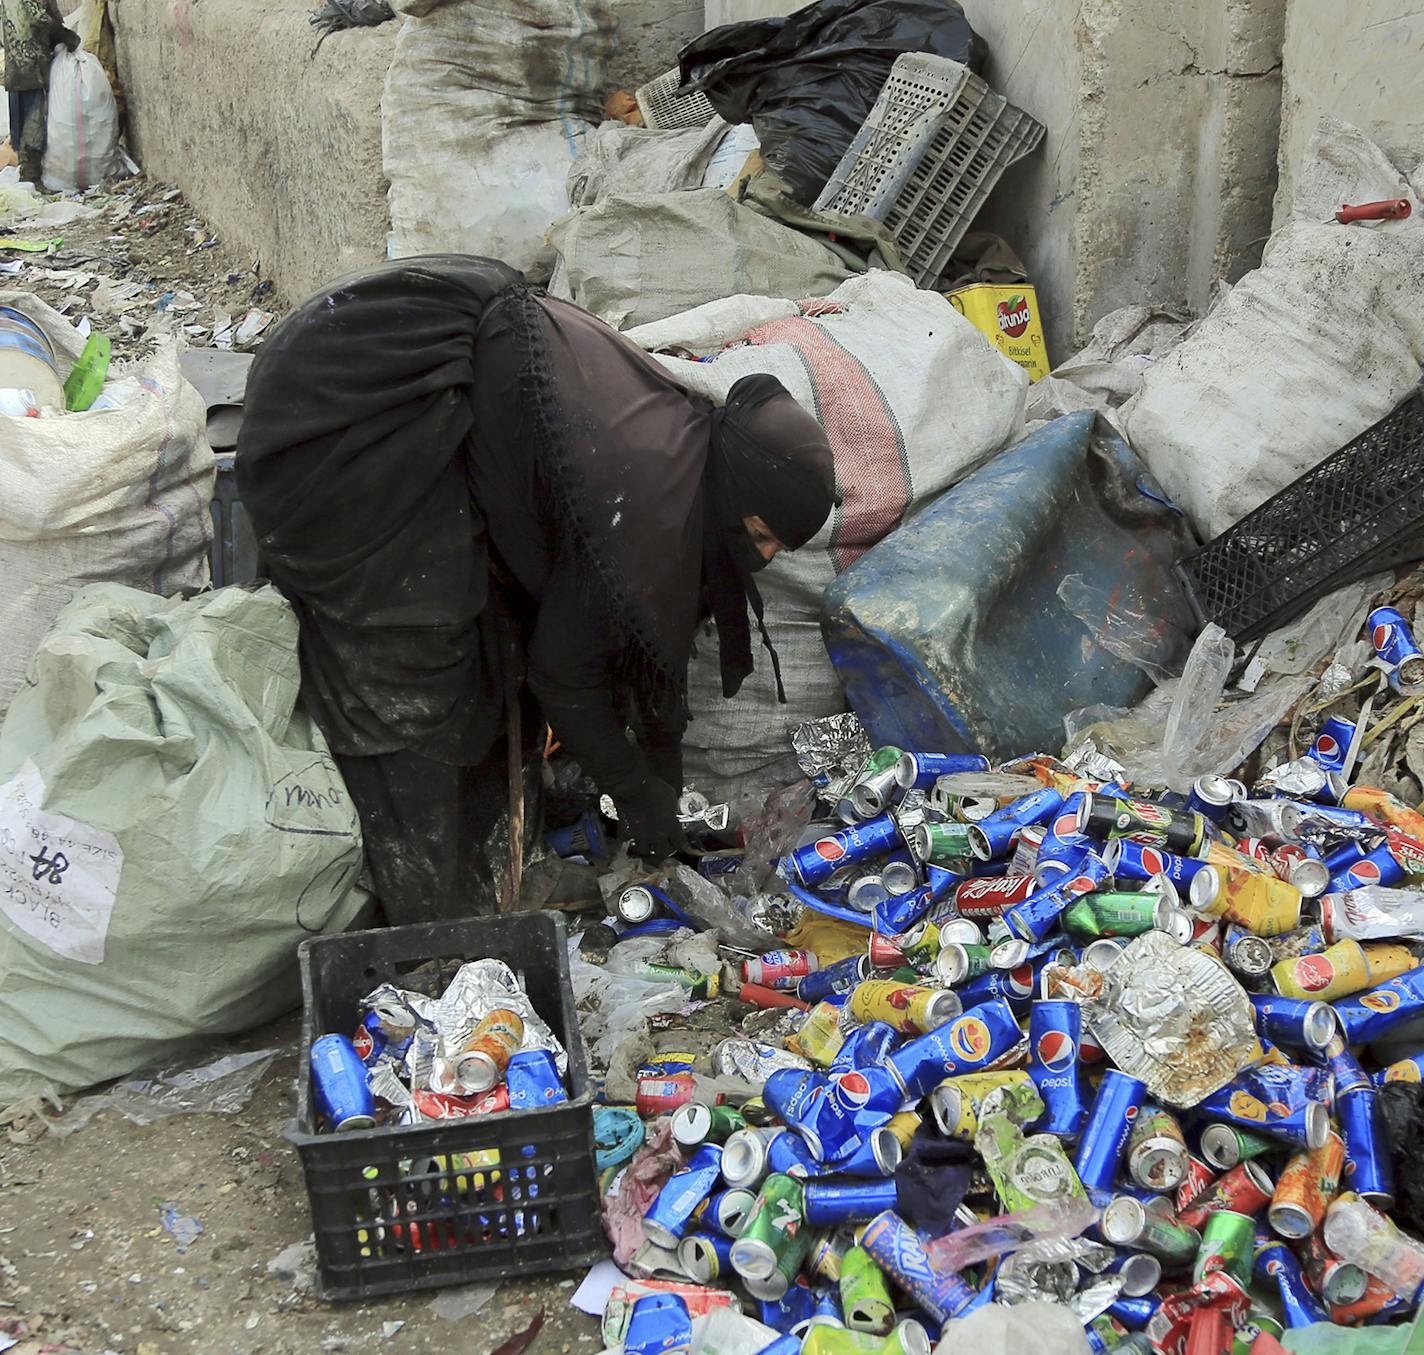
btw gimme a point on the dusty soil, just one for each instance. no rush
(86, 1263)
(144, 266)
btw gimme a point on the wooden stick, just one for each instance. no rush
(514, 762)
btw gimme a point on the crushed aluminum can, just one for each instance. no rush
(386, 1085)
(1093, 765)
(753, 1061)
(399, 1009)
(1173, 1017)
(1298, 780)
(834, 747)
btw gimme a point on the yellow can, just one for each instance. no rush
(1383, 807)
(911, 1008)
(1339, 970)
(1260, 903)
(820, 1037)
(1010, 319)
(903, 1126)
(957, 1100)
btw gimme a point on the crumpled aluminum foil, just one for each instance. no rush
(477, 989)
(1172, 1016)
(912, 810)
(1048, 1269)
(1298, 780)
(833, 749)
(1093, 765)
(753, 1061)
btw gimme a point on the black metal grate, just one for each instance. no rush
(1359, 511)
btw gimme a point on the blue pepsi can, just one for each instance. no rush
(1369, 1172)
(533, 1081)
(900, 912)
(1378, 867)
(821, 859)
(677, 1201)
(1394, 643)
(1128, 860)
(981, 1038)
(1135, 1313)
(339, 1081)
(1015, 986)
(1276, 1262)
(1063, 839)
(1212, 796)
(1054, 1029)
(919, 771)
(828, 1203)
(707, 1257)
(856, 1103)
(1408, 1069)
(1106, 1132)
(794, 1309)
(1331, 744)
(658, 1324)
(992, 836)
(840, 978)
(1282, 1100)
(370, 1040)
(1385, 1007)
(1324, 817)
(866, 1047)
(1346, 1074)
(795, 1097)
(828, 1309)
(1346, 854)
(1299, 1023)
(1036, 916)
(791, 1155)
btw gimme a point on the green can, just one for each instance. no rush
(883, 759)
(774, 1239)
(1224, 1145)
(956, 963)
(1228, 1242)
(865, 1297)
(1128, 1222)
(1256, 1322)
(697, 1123)
(1114, 914)
(941, 842)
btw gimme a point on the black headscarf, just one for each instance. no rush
(770, 459)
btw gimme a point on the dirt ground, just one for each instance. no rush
(144, 266)
(86, 1263)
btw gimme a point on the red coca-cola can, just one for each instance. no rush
(1245, 1189)
(885, 953)
(988, 897)
(663, 1095)
(1198, 1179)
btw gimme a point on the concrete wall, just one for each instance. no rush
(280, 151)
(649, 36)
(1360, 60)
(1155, 178)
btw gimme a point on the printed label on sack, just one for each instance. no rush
(58, 877)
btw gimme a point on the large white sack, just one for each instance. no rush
(118, 494)
(1305, 353)
(82, 123)
(485, 108)
(912, 398)
(617, 158)
(635, 258)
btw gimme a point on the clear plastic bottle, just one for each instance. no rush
(1356, 1231)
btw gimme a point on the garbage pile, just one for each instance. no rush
(1019, 1035)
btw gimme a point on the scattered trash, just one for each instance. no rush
(296, 1263)
(183, 1228)
(454, 1304)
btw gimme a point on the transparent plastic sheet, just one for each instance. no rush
(1060, 1221)
(1150, 642)
(1189, 727)
(614, 1008)
(997, 1329)
(222, 1086)
(1298, 647)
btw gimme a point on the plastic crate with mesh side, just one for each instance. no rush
(1359, 511)
(665, 110)
(398, 1207)
(926, 158)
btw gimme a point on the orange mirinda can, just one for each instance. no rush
(1261, 903)
(1383, 807)
(1305, 1188)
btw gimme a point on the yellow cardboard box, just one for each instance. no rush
(1008, 317)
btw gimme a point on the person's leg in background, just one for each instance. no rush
(29, 109)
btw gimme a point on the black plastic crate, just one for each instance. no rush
(1359, 511)
(397, 1208)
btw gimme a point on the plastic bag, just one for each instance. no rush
(82, 128)
(807, 82)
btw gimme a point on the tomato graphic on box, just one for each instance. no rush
(1009, 318)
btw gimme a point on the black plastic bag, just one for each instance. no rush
(807, 82)
(932, 1181)
(1402, 1109)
